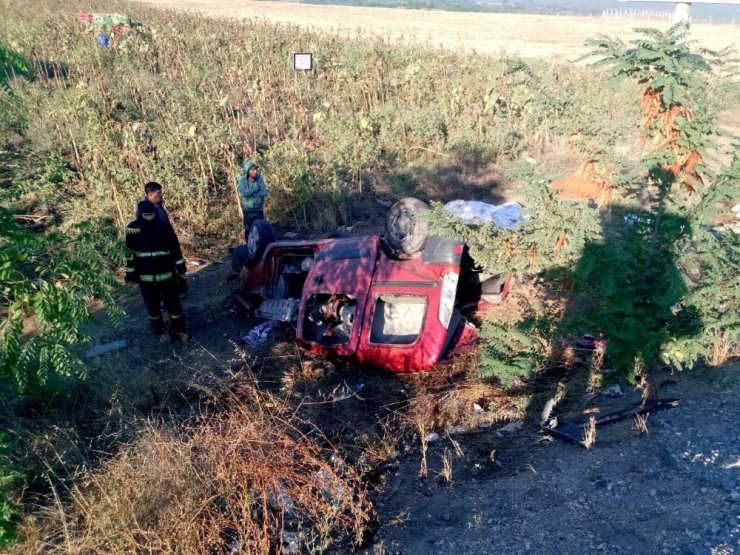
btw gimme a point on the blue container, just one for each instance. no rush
(103, 40)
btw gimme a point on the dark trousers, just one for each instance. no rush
(249, 217)
(166, 292)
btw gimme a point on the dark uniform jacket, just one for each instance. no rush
(159, 210)
(154, 253)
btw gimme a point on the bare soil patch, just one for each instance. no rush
(675, 489)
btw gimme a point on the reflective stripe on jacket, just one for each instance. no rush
(153, 251)
(155, 277)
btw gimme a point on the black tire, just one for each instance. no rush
(406, 231)
(260, 235)
(239, 257)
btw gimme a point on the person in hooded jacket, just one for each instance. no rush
(252, 192)
(155, 261)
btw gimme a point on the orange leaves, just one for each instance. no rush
(666, 136)
(560, 242)
(576, 188)
(590, 182)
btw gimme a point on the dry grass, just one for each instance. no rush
(446, 398)
(233, 481)
(445, 475)
(424, 467)
(723, 349)
(383, 447)
(640, 424)
(589, 436)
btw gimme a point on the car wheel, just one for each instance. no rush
(406, 231)
(260, 235)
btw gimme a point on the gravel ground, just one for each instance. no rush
(674, 490)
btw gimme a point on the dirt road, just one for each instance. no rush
(675, 490)
(529, 36)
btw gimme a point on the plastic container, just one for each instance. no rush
(103, 40)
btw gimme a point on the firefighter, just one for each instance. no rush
(155, 261)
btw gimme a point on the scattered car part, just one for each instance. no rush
(576, 433)
(112, 347)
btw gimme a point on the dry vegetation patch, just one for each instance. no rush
(242, 479)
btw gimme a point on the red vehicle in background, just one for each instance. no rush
(399, 301)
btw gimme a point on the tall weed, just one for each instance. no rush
(183, 99)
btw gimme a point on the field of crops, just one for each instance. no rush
(529, 36)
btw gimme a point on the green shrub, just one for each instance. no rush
(622, 271)
(8, 511)
(47, 280)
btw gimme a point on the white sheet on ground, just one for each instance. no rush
(506, 215)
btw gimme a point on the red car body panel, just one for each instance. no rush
(394, 305)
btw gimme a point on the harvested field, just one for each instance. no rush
(528, 36)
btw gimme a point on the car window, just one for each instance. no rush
(398, 319)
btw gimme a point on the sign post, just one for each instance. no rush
(302, 62)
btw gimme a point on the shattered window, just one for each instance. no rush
(398, 319)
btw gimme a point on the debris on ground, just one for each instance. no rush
(107, 348)
(258, 334)
(587, 342)
(506, 215)
(431, 438)
(613, 391)
(510, 428)
(576, 432)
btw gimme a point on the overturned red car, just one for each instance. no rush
(398, 301)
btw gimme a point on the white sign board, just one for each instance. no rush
(302, 61)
